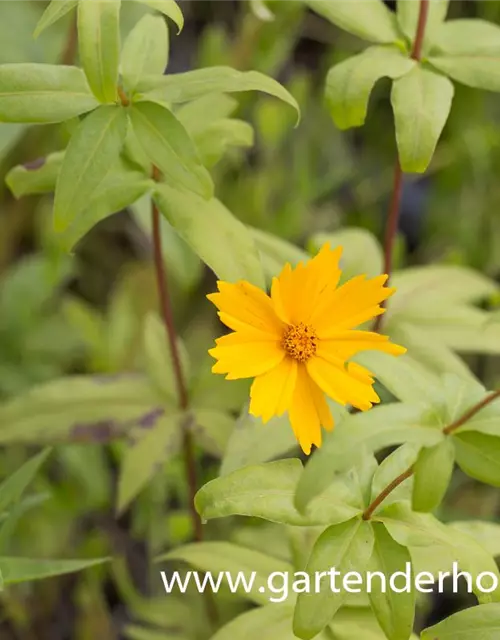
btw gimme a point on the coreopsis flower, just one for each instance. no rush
(297, 342)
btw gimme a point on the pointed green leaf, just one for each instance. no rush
(266, 623)
(395, 612)
(478, 70)
(13, 487)
(37, 177)
(487, 534)
(408, 12)
(471, 624)
(468, 37)
(93, 149)
(215, 140)
(478, 455)
(421, 101)
(147, 456)
(169, 147)
(119, 189)
(168, 8)
(213, 429)
(99, 45)
(344, 547)
(145, 50)
(43, 93)
(158, 357)
(275, 252)
(373, 21)
(266, 491)
(216, 557)
(433, 471)
(349, 84)
(54, 11)
(184, 87)
(381, 427)
(213, 233)
(27, 569)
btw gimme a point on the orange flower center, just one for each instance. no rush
(300, 341)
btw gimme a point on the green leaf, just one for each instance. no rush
(169, 147)
(380, 427)
(14, 486)
(345, 547)
(134, 632)
(361, 251)
(375, 22)
(266, 491)
(475, 623)
(349, 84)
(487, 534)
(478, 455)
(353, 623)
(37, 177)
(146, 457)
(145, 50)
(433, 471)
(266, 623)
(395, 612)
(478, 70)
(16, 570)
(407, 14)
(168, 8)
(216, 557)
(99, 45)
(275, 252)
(119, 189)
(184, 87)
(158, 358)
(93, 149)
(213, 142)
(213, 233)
(43, 93)
(79, 408)
(391, 467)
(252, 442)
(468, 37)
(409, 528)
(421, 101)
(55, 10)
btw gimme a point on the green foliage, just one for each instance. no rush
(468, 624)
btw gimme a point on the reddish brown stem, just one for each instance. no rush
(470, 413)
(69, 53)
(392, 223)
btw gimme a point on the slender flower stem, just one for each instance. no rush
(69, 53)
(470, 413)
(187, 440)
(395, 204)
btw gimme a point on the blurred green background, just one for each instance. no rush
(83, 313)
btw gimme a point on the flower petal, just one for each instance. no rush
(271, 393)
(345, 344)
(355, 302)
(345, 385)
(245, 359)
(308, 411)
(248, 306)
(296, 292)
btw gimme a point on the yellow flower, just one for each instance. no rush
(297, 342)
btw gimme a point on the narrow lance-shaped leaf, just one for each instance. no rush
(349, 84)
(421, 101)
(39, 176)
(99, 45)
(55, 10)
(266, 623)
(27, 569)
(184, 87)
(478, 70)
(473, 623)
(13, 487)
(168, 8)
(372, 21)
(395, 611)
(169, 147)
(468, 37)
(433, 470)
(43, 93)
(345, 547)
(92, 151)
(221, 240)
(145, 50)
